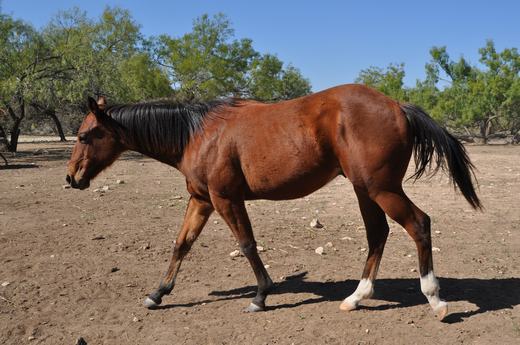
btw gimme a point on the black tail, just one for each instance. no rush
(431, 143)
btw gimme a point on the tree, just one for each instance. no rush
(389, 81)
(480, 96)
(208, 63)
(25, 60)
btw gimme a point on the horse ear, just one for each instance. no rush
(102, 102)
(92, 105)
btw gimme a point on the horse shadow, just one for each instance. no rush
(486, 294)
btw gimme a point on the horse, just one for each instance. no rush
(232, 150)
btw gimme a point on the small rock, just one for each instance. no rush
(437, 232)
(346, 238)
(260, 249)
(367, 331)
(120, 181)
(215, 222)
(141, 164)
(135, 319)
(329, 244)
(315, 224)
(97, 190)
(66, 186)
(409, 255)
(267, 266)
(114, 269)
(4, 284)
(363, 249)
(413, 270)
(105, 188)
(409, 322)
(234, 253)
(100, 237)
(319, 250)
(31, 338)
(177, 197)
(435, 249)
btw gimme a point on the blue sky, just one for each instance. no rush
(329, 41)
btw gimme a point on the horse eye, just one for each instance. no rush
(83, 138)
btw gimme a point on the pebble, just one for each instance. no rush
(177, 197)
(135, 319)
(120, 181)
(31, 338)
(315, 224)
(114, 269)
(4, 284)
(435, 249)
(260, 249)
(413, 270)
(319, 250)
(234, 253)
(215, 222)
(409, 255)
(105, 188)
(66, 186)
(363, 249)
(346, 238)
(329, 244)
(267, 266)
(437, 232)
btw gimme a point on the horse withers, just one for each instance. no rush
(236, 150)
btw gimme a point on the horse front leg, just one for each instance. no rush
(235, 215)
(197, 214)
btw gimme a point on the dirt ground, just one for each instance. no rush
(79, 263)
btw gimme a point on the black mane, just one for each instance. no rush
(163, 126)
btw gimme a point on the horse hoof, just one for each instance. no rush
(441, 310)
(346, 306)
(253, 308)
(150, 304)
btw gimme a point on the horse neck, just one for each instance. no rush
(170, 157)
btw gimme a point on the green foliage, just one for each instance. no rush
(461, 95)
(208, 63)
(389, 80)
(52, 71)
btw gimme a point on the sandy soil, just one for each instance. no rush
(79, 263)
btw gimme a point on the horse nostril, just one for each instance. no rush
(68, 179)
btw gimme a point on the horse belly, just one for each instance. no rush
(282, 181)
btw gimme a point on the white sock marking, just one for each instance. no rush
(364, 290)
(430, 288)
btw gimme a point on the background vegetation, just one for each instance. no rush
(47, 74)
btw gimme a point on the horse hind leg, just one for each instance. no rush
(417, 223)
(377, 233)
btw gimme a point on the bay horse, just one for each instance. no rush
(236, 150)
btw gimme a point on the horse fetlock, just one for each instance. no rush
(430, 285)
(248, 248)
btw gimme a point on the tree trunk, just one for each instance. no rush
(52, 114)
(483, 126)
(17, 120)
(15, 133)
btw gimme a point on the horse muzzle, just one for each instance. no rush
(81, 184)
